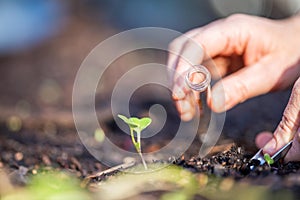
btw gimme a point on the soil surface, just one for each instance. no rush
(234, 163)
(28, 152)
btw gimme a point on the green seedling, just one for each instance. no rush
(137, 125)
(268, 159)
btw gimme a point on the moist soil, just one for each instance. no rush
(236, 163)
(28, 152)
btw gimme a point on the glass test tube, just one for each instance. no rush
(198, 78)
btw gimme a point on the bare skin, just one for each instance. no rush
(254, 56)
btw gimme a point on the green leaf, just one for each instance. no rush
(128, 121)
(271, 162)
(135, 121)
(145, 122)
(142, 123)
(268, 159)
(124, 118)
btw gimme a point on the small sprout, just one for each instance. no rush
(14, 123)
(99, 135)
(137, 125)
(268, 159)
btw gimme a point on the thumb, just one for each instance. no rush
(289, 124)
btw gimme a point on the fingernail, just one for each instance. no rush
(219, 99)
(187, 116)
(270, 147)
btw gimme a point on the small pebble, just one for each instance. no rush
(239, 150)
(46, 160)
(18, 176)
(78, 174)
(199, 162)
(64, 156)
(19, 156)
(72, 166)
(76, 163)
(98, 166)
(128, 160)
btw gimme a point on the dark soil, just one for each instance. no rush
(234, 163)
(28, 152)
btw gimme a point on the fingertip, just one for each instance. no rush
(187, 116)
(263, 138)
(218, 99)
(184, 107)
(270, 147)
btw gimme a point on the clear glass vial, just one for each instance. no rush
(198, 78)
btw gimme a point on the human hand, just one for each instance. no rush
(254, 55)
(287, 130)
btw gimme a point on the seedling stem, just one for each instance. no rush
(137, 125)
